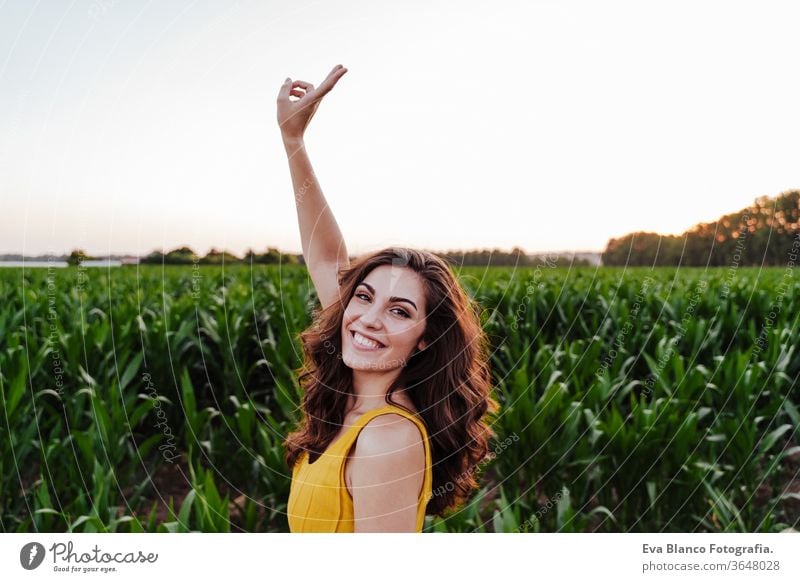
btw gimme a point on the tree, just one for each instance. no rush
(76, 257)
(215, 257)
(761, 234)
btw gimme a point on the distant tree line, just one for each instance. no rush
(518, 257)
(186, 256)
(761, 234)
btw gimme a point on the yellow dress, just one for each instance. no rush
(319, 500)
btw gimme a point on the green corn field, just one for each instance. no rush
(157, 399)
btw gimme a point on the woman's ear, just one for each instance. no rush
(421, 345)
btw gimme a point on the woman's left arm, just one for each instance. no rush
(388, 469)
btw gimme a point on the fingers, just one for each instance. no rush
(285, 88)
(332, 78)
(337, 68)
(304, 85)
(304, 89)
(289, 87)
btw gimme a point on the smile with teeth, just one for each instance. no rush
(363, 342)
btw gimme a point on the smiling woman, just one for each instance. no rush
(397, 385)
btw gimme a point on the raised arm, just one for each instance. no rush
(324, 248)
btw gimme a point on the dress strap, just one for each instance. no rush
(370, 414)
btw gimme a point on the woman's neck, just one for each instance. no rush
(369, 392)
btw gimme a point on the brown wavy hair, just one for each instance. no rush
(449, 381)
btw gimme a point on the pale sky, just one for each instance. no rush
(127, 126)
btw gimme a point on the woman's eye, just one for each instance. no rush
(400, 312)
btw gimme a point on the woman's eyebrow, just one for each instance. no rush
(391, 299)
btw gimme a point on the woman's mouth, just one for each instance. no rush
(365, 344)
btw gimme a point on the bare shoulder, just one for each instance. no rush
(388, 464)
(388, 469)
(390, 434)
(389, 449)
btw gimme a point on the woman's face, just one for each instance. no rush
(388, 306)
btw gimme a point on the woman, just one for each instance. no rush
(396, 376)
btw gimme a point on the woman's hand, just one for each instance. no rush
(293, 116)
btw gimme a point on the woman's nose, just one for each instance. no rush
(371, 317)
